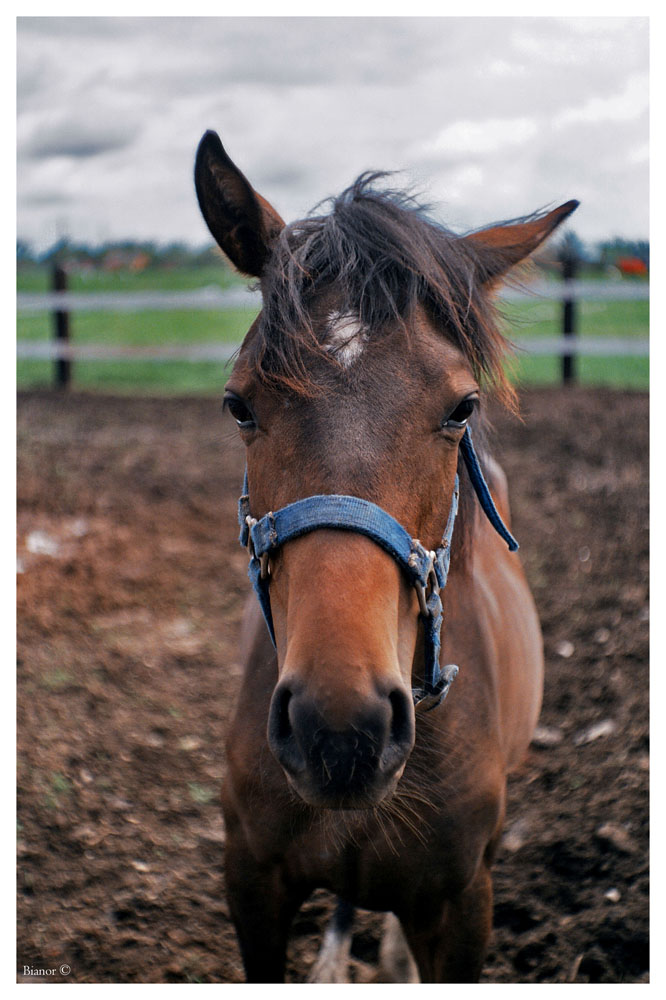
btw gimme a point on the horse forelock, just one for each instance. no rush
(372, 260)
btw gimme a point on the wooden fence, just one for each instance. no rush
(63, 351)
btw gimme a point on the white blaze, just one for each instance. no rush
(346, 337)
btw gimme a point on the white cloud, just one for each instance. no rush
(639, 155)
(629, 103)
(471, 138)
(504, 68)
(110, 111)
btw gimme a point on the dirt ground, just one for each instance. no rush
(130, 591)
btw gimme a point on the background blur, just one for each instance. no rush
(489, 118)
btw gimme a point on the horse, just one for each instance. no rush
(393, 661)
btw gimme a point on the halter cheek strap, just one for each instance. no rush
(483, 493)
(426, 570)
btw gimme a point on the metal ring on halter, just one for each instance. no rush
(421, 594)
(250, 521)
(422, 591)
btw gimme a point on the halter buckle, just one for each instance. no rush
(422, 592)
(426, 699)
(263, 558)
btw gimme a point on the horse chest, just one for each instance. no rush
(379, 863)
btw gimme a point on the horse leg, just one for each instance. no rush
(452, 947)
(262, 907)
(396, 962)
(332, 965)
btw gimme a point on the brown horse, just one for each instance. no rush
(357, 386)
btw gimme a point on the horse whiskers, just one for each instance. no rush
(399, 811)
(395, 817)
(379, 819)
(419, 777)
(439, 745)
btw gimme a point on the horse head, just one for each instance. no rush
(358, 379)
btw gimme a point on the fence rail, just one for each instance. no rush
(212, 297)
(47, 350)
(61, 303)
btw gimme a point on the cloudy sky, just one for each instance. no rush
(491, 118)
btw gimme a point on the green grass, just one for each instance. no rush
(137, 330)
(625, 320)
(145, 328)
(526, 319)
(616, 372)
(37, 279)
(543, 318)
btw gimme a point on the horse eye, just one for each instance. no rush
(461, 414)
(239, 411)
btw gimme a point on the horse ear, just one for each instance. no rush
(242, 222)
(500, 248)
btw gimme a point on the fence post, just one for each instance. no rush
(63, 366)
(569, 270)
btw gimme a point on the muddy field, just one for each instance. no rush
(130, 592)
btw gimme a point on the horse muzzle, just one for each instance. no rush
(341, 760)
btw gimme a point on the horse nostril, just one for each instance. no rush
(335, 756)
(401, 739)
(279, 721)
(280, 732)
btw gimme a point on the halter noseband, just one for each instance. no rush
(426, 570)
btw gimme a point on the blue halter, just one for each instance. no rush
(426, 570)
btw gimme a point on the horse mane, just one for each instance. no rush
(381, 256)
(378, 256)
